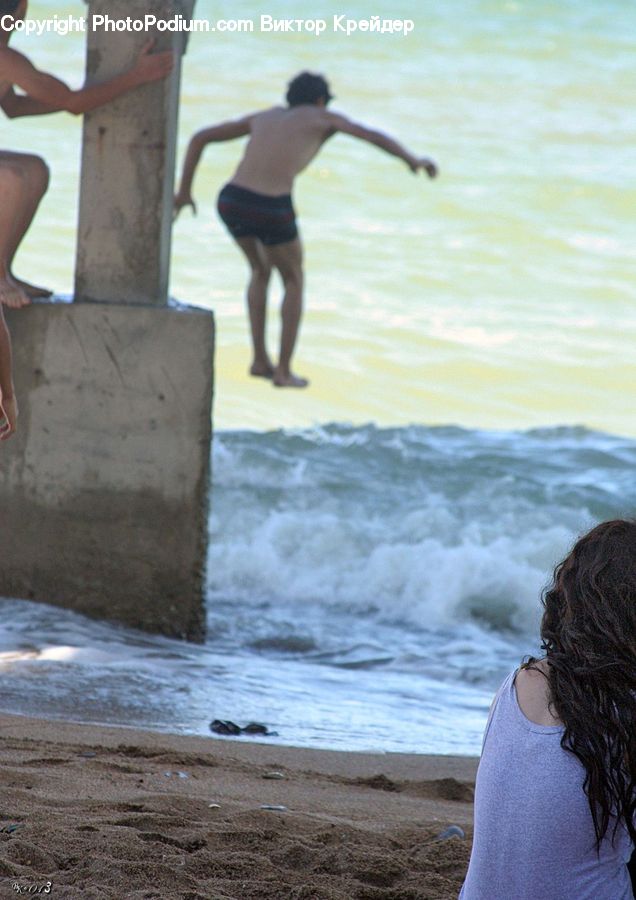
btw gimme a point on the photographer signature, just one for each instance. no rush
(32, 888)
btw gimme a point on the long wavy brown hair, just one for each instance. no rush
(588, 634)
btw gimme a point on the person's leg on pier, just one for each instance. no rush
(8, 404)
(288, 259)
(35, 180)
(11, 193)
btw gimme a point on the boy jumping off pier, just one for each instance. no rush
(256, 205)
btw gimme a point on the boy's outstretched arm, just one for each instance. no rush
(44, 93)
(8, 405)
(225, 131)
(340, 123)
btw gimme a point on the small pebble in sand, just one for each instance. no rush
(273, 776)
(226, 727)
(451, 831)
(273, 807)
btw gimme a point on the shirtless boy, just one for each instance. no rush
(23, 177)
(256, 205)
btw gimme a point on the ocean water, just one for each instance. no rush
(369, 588)
(500, 296)
(370, 584)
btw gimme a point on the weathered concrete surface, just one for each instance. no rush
(104, 489)
(128, 160)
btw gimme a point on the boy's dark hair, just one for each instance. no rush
(308, 88)
(8, 6)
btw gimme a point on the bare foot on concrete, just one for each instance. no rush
(263, 369)
(32, 290)
(288, 379)
(12, 295)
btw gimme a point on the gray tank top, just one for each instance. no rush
(534, 837)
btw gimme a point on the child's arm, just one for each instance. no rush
(45, 94)
(16, 105)
(8, 405)
(342, 124)
(226, 131)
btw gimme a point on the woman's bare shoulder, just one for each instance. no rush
(533, 694)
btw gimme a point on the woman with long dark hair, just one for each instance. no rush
(555, 795)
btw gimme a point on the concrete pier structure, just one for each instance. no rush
(104, 489)
(128, 160)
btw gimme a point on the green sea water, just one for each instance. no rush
(500, 296)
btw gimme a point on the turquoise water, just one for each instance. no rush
(371, 581)
(368, 589)
(500, 296)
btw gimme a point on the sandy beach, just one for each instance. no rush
(119, 813)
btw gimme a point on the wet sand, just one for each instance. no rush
(105, 813)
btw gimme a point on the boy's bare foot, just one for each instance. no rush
(12, 295)
(289, 380)
(262, 369)
(32, 290)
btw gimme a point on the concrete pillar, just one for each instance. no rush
(123, 249)
(104, 489)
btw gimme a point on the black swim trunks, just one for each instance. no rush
(247, 214)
